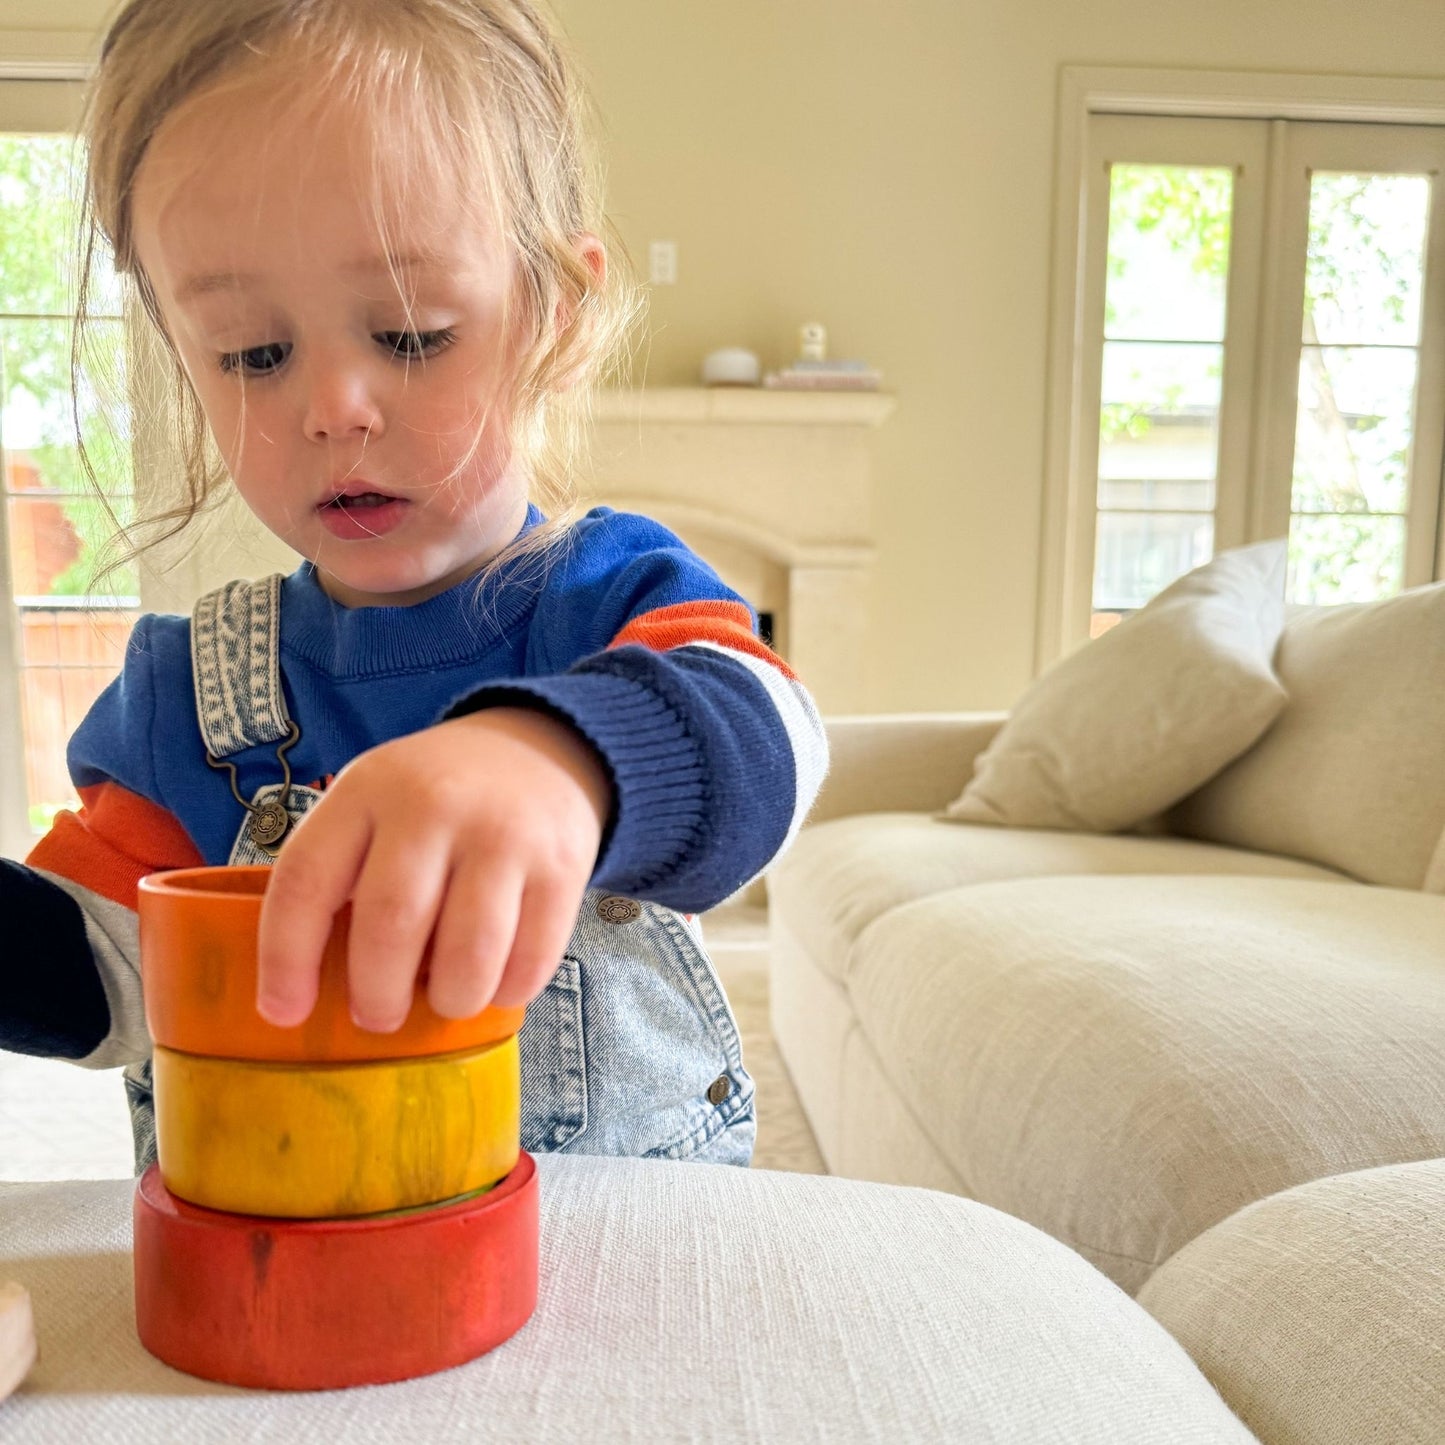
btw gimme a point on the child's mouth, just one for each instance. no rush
(366, 514)
(366, 499)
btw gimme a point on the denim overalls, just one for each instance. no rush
(631, 1049)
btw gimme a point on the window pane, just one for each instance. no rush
(1364, 280)
(1137, 554)
(1155, 494)
(37, 424)
(38, 219)
(56, 545)
(1364, 269)
(81, 650)
(1168, 252)
(1352, 432)
(40, 182)
(1345, 558)
(69, 646)
(1159, 425)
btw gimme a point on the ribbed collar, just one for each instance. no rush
(452, 627)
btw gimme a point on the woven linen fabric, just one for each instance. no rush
(1126, 1061)
(1320, 1313)
(811, 1017)
(1353, 774)
(897, 762)
(1135, 720)
(841, 875)
(679, 1302)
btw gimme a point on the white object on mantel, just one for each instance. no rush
(812, 341)
(732, 366)
(17, 1336)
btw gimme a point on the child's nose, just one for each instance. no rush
(341, 400)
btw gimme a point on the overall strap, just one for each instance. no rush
(236, 660)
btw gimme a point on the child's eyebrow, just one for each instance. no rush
(212, 281)
(208, 282)
(405, 260)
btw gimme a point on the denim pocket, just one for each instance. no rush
(554, 1063)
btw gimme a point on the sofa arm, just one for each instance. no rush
(901, 762)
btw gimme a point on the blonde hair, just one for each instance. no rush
(488, 91)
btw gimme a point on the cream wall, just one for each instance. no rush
(888, 169)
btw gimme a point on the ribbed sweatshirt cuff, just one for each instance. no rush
(658, 775)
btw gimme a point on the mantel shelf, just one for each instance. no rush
(750, 405)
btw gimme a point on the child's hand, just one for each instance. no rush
(480, 832)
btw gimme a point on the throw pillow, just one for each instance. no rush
(1353, 776)
(1140, 717)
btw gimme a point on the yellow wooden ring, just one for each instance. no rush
(328, 1141)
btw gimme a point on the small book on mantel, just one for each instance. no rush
(825, 376)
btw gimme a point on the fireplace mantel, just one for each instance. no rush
(774, 489)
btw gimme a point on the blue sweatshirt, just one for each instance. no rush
(714, 750)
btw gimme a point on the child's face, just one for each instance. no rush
(296, 363)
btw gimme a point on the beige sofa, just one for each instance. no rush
(1207, 1054)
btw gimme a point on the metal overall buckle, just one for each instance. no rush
(270, 822)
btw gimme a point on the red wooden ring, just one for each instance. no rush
(198, 965)
(324, 1304)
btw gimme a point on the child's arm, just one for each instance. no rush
(70, 958)
(70, 962)
(662, 752)
(52, 1002)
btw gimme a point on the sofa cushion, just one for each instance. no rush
(1353, 773)
(1126, 1061)
(1120, 729)
(676, 1302)
(841, 875)
(1319, 1313)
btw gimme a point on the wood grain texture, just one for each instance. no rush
(324, 1304)
(336, 1140)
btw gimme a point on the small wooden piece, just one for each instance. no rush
(319, 1141)
(198, 931)
(17, 1336)
(323, 1304)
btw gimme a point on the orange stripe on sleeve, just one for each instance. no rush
(113, 842)
(725, 623)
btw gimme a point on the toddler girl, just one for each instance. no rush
(366, 235)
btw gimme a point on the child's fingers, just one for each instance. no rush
(545, 923)
(311, 880)
(473, 937)
(393, 910)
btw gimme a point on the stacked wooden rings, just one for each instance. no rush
(331, 1207)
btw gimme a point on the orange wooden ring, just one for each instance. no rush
(317, 1141)
(323, 1304)
(198, 931)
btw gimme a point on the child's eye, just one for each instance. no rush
(413, 344)
(257, 360)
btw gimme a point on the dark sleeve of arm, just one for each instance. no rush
(713, 746)
(52, 1001)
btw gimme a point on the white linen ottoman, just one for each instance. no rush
(678, 1302)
